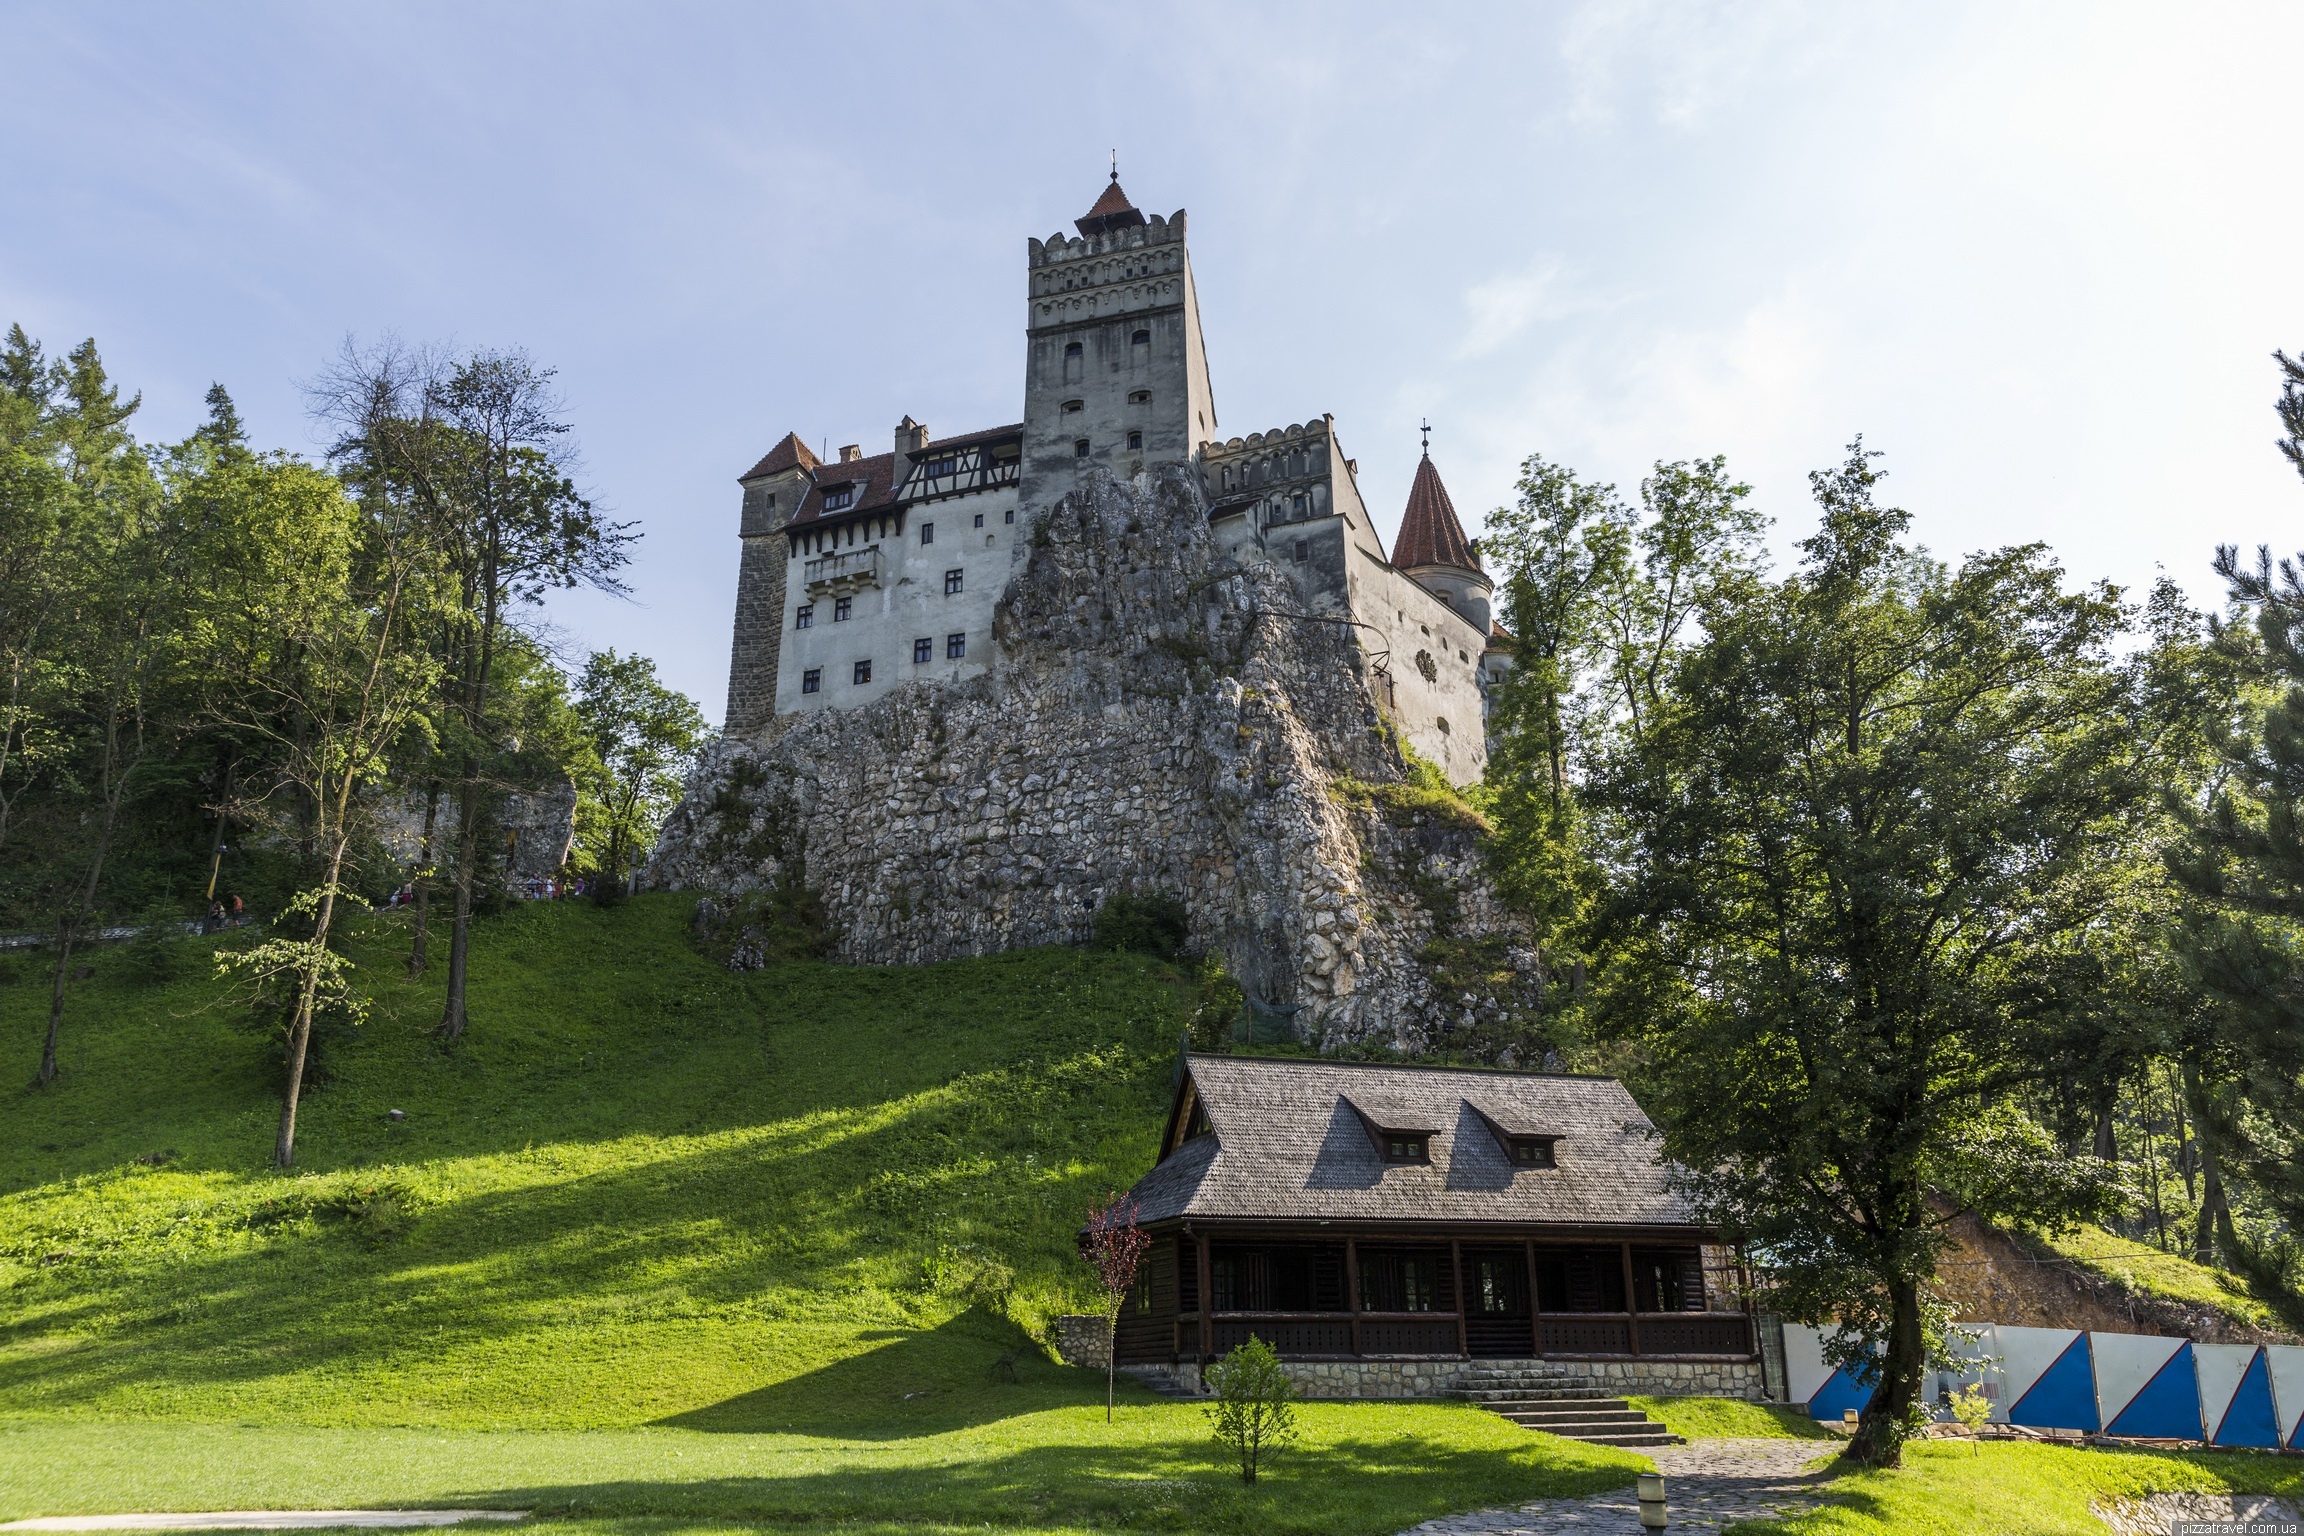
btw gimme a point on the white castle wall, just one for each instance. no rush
(908, 604)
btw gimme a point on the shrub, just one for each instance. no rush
(1143, 925)
(1255, 1407)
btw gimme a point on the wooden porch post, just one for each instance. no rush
(1535, 1323)
(1208, 1304)
(1456, 1263)
(1352, 1288)
(1631, 1303)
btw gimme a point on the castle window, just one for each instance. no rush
(812, 680)
(955, 647)
(947, 465)
(840, 500)
(1070, 406)
(1135, 442)
(951, 582)
(1079, 447)
(1135, 397)
(979, 519)
(863, 671)
(1071, 349)
(1303, 550)
(1010, 517)
(1299, 507)
(803, 616)
(923, 649)
(1140, 339)
(841, 608)
(1443, 722)
(927, 533)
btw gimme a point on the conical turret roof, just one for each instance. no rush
(1429, 532)
(1112, 211)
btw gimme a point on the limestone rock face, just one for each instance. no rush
(1160, 724)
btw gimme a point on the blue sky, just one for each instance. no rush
(2039, 254)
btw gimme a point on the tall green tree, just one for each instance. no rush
(479, 446)
(644, 738)
(1875, 794)
(2243, 862)
(314, 635)
(119, 696)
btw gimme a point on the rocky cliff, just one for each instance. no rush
(1160, 724)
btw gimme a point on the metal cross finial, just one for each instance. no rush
(1427, 429)
(1115, 167)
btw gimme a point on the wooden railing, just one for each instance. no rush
(1661, 1335)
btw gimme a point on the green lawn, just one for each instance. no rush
(1025, 1464)
(1950, 1488)
(657, 1240)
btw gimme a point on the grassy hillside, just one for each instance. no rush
(657, 1241)
(643, 1189)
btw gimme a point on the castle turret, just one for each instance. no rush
(1115, 373)
(1432, 549)
(772, 492)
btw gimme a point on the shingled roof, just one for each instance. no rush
(791, 453)
(1429, 532)
(1288, 1144)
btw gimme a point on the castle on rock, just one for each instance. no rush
(876, 570)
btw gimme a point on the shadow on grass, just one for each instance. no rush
(974, 1370)
(1340, 1488)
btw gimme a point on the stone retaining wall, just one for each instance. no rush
(1083, 1341)
(1436, 1378)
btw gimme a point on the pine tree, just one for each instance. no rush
(2244, 862)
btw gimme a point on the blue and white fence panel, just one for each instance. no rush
(2129, 1384)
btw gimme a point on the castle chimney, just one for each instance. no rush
(911, 437)
(851, 452)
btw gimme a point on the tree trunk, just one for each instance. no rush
(2215, 1216)
(1879, 1436)
(48, 1069)
(1111, 1358)
(68, 928)
(452, 1018)
(300, 1032)
(2187, 1151)
(2107, 1145)
(417, 941)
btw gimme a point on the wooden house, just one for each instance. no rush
(1344, 1211)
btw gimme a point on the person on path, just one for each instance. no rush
(239, 914)
(215, 920)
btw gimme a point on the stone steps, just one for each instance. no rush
(1570, 1406)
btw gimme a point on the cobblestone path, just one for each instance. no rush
(1707, 1485)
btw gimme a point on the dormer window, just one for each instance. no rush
(840, 500)
(1532, 1152)
(1524, 1144)
(1401, 1130)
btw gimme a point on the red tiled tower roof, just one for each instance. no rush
(1429, 532)
(1112, 211)
(788, 454)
